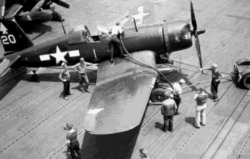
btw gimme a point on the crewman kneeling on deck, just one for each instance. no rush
(72, 142)
(65, 78)
(168, 111)
(201, 99)
(116, 32)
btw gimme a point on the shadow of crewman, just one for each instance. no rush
(159, 125)
(190, 120)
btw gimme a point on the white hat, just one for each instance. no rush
(144, 152)
(182, 81)
(215, 65)
(81, 59)
(69, 126)
(63, 64)
(169, 94)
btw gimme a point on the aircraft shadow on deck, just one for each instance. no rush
(53, 77)
(35, 27)
(175, 76)
(38, 29)
(8, 85)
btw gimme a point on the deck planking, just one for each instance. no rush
(33, 115)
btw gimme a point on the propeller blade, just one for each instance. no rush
(198, 49)
(36, 8)
(193, 20)
(61, 3)
(2, 6)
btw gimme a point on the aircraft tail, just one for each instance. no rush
(13, 37)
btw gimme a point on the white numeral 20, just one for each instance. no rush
(8, 39)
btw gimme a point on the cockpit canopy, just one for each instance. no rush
(79, 34)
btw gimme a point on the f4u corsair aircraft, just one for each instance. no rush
(123, 88)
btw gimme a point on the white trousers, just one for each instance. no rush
(200, 115)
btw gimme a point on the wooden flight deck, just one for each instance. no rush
(33, 115)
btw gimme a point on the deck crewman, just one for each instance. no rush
(144, 154)
(216, 77)
(81, 70)
(177, 86)
(72, 142)
(201, 99)
(115, 35)
(65, 78)
(168, 110)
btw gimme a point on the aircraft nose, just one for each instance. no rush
(177, 36)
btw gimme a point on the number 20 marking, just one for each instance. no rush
(8, 39)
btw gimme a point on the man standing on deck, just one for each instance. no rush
(65, 78)
(72, 142)
(216, 77)
(81, 70)
(168, 111)
(201, 99)
(177, 91)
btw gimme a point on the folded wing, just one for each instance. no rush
(121, 94)
(6, 62)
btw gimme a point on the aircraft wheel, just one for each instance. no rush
(158, 95)
(34, 77)
(246, 81)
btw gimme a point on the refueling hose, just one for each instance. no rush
(161, 74)
(144, 65)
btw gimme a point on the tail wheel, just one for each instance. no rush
(158, 95)
(246, 81)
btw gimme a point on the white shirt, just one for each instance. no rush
(115, 30)
(177, 88)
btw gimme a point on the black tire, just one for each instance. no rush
(246, 81)
(158, 95)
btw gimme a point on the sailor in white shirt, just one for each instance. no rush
(177, 91)
(115, 33)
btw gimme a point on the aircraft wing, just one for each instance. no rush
(6, 63)
(121, 94)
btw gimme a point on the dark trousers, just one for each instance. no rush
(84, 79)
(214, 88)
(74, 150)
(177, 100)
(66, 86)
(168, 122)
(114, 41)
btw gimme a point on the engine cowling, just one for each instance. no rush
(177, 36)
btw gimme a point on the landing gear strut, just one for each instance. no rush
(34, 77)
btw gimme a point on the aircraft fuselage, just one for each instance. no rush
(160, 38)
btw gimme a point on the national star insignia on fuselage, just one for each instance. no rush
(59, 55)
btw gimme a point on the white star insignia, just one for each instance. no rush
(59, 55)
(139, 17)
